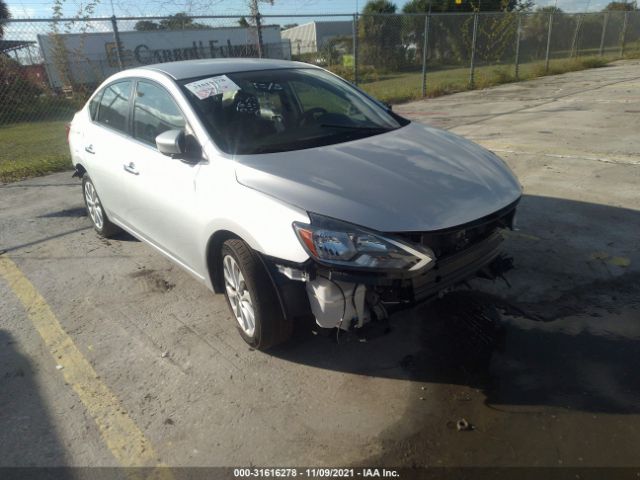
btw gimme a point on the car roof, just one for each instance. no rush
(219, 66)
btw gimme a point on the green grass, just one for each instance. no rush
(404, 87)
(632, 50)
(32, 149)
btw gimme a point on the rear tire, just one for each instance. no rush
(95, 211)
(251, 297)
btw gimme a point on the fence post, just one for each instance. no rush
(623, 34)
(604, 32)
(425, 46)
(546, 58)
(473, 50)
(259, 33)
(574, 44)
(355, 48)
(116, 37)
(518, 45)
(29, 55)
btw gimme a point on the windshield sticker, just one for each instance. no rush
(208, 87)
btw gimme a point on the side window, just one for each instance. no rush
(154, 112)
(113, 110)
(93, 105)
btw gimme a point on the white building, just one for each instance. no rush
(91, 57)
(311, 37)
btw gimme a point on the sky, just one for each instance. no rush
(43, 8)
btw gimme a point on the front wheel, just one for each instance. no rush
(252, 298)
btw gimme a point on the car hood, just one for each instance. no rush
(415, 178)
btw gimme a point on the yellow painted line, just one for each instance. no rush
(128, 444)
(623, 262)
(620, 261)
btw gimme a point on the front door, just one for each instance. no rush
(161, 203)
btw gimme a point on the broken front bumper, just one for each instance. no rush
(346, 298)
(454, 269)
(349, 299)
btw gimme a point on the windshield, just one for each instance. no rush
(281, 110)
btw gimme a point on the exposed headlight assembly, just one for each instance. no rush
(336, 243)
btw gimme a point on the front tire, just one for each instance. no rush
(251, 297)
(96, 212)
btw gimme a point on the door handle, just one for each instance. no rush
(131, 168)
(89, 149)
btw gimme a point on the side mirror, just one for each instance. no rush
(171, 143)
(175, 144)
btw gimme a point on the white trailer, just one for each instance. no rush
(311, 37)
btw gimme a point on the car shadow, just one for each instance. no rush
(78, 212)
(123, 236)
(120, 236)
(28, 435)
(560, 331)
(68, 212)
(12, 248)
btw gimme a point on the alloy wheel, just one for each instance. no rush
(238, 295)
(93, 205)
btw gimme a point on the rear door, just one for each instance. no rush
(106, 141)
(161, 190)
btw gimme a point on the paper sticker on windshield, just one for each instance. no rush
(208, 87)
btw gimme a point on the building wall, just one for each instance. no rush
(325, 31)
(302, 38)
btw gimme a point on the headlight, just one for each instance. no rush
(333, 242)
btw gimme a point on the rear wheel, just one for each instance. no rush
(98, 217)
(252, 298)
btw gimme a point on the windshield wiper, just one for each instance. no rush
(356, 127)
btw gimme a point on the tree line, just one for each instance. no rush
(395, 42)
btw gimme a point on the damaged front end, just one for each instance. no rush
(356, 276)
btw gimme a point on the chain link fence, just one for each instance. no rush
(48, 67)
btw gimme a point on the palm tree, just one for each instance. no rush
(4, 15)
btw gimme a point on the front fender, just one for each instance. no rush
(263, 222)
